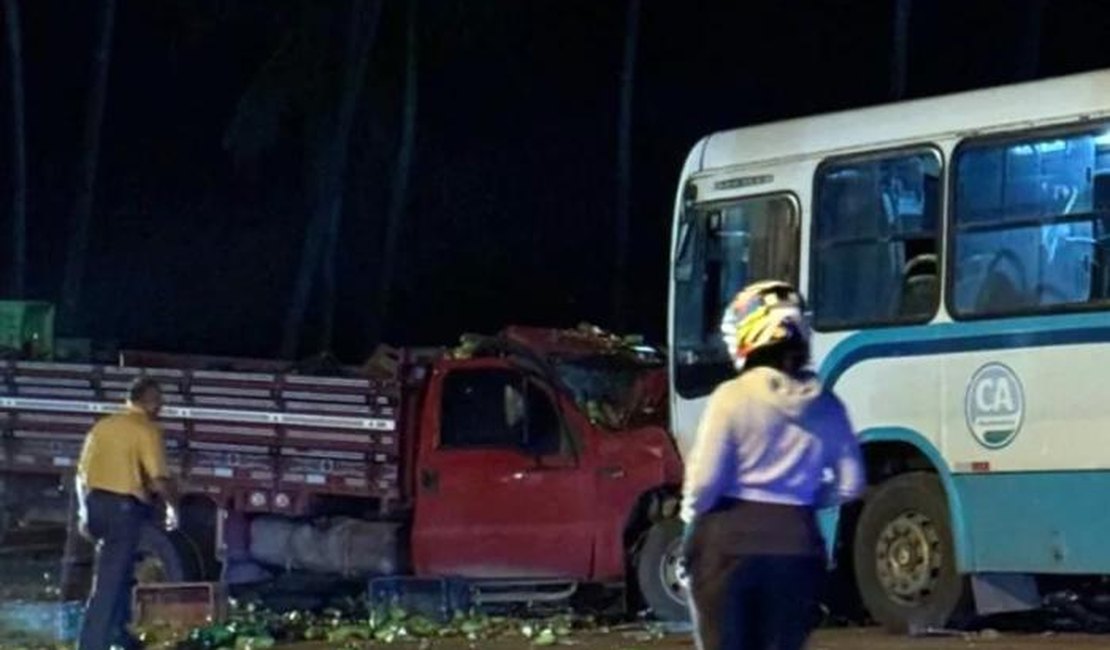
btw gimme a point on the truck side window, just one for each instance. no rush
(495, 408)
(482, 409)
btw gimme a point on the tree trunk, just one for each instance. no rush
(399, 196)
(19, 152)
(624, 164)
(331, 171)
(899, 55)
(1030, 56)
(82, 210)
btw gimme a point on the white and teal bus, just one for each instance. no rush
(955, 253)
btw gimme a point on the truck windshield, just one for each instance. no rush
(719, 249)
(605, 386)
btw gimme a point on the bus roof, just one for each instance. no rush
(1059, 99)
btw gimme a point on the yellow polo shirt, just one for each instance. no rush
(123, 453)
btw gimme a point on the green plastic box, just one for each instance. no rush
(37, 621)
(27, 328)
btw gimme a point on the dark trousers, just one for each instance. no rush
(751, 586)
(115, 522)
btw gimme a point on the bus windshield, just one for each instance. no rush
(719, 249)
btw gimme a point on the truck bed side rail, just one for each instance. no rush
(264, 441)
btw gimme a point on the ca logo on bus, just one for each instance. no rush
(994, 405)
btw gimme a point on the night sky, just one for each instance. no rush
(195, 245)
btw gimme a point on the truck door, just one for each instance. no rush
(500, 493)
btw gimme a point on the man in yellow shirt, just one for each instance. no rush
(122, 469)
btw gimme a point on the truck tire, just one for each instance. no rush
(904, 557)
(166, 557)
(659, 571)
(3, 509)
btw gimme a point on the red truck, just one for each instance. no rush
(530, 464)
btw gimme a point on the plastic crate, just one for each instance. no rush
(436, 599)
(42, 621)
(185, 604)
(27, 328)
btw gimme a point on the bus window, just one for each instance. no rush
(876, 241)
(1032, 224)
(720, 249)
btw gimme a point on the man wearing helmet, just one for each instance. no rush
(772, 447)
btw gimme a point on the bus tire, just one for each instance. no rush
(166, 557)
(657, 571)
(904, 556)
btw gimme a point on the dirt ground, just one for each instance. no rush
(838, 639)
(873, 639)
(25, 573)
(843, 639)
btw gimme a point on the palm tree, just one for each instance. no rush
(331, 166)
(321, 243)
(19, 152)
(401, 174)
(82, 210)
(899, 55)
(1030, 62)
(296, 81)
(624, 160)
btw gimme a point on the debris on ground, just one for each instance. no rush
(252, 628)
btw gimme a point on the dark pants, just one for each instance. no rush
(115, 522)
(755, 576)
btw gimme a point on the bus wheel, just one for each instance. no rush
(660, 573)
(905, 561)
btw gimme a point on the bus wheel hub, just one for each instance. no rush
(907, 556)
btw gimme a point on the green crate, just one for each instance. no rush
(40, 622)
(27, 325)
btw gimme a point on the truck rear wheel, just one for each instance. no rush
(904, 556)
(659, 572)
(166, 557)
(5, 515)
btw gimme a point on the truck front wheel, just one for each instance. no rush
(904, 556)
(659, 571)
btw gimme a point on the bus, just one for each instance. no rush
(955, 256)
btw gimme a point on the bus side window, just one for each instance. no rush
(1030, 224)
(875, 245)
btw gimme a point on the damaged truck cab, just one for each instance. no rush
(515, 481)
